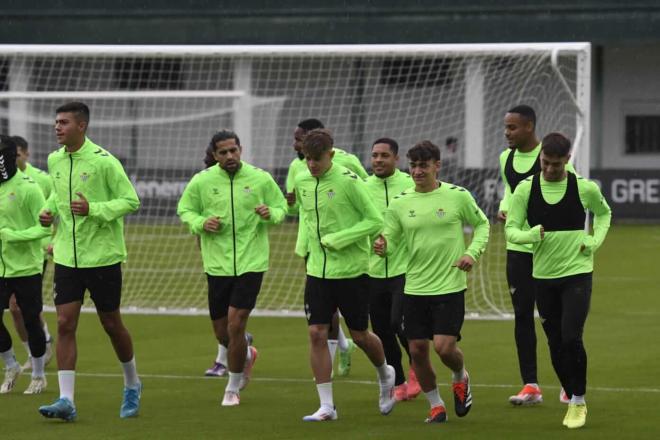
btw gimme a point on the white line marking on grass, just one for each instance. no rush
(354, 382)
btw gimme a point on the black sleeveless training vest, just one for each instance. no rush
(566, 215)
(512, 176)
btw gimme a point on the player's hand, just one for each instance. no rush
(80, 206)
(263, 212)
(291, 198)
(212, 224)
(46, 218)
(464, 263)
(380, 246)
(542, 231)
(501, 216)
(49, 249)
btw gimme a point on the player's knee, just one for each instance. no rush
(361, 339)
(66, 325)
(318, 336)
(112, 326)
(445, 349)
(418, 351)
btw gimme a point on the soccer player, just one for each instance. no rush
(44, 182)
(231, 207)
(20, 265)
(387, 275)
(519, 161)
(553, 204)
(337, 339)
(91, 195)
(429, 221)
(339, 217)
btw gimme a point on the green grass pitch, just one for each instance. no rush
(178, 402)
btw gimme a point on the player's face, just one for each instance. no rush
(22, 158)
(228, 154)
(517, 130)
(383, 161)
(424, 172)
(68, 129)
(554, 167)
(298, 136)
(318, 166)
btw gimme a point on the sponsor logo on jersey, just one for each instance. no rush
(411, 213)
(216, 191)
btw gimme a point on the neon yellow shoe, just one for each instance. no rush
(569, 414)
(344, 367)
(578, 417)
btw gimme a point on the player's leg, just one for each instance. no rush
(413, 388)
(19, 326)
(353, 301)
(319, 308)
(576, 298)
(523, 296)
(28, 297)
(12, 367)
(218, 301)
(380, 313)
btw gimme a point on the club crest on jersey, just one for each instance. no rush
(247, 190)
(11, 197)
(411, 213)
(331, 194)
(440, 212)
(84, 177)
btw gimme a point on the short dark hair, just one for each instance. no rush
(7, 143)
(525, 111)
(451, 140)
(224, 135)
(556, 145)
(310, 124)
(317, 141)
(423, 151)
(79, 109)
(394, 146)
(20, 142)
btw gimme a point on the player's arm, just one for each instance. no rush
(189, 208)
(370, 224)
(124, 198)
(293, 206)
(474, 216)
(517, 216)
(391, 236)
(274, 209)
(356, 166)
(504, 203)
(594, 201)
(34, 202)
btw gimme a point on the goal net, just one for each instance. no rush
(156, 108)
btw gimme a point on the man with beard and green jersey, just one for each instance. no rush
(339, 218)
(428, 220)
(387, 276)
(553, 204)
(231, 206)
(337, 339)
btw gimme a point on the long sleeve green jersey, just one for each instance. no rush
(45, 183)
(522, 162)
(21, 201)
(241, 243)
(339, 217)
(96, 239)
(382, 191)
(558, 255)
(298, 166)
(430, 226)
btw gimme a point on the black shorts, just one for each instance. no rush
(388, 291)
(239, 292)
(427, 315)
(350, 295)
(27, 291)
(103, 282)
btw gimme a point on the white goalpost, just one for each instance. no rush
(156, 108)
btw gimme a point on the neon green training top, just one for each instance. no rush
(339, 217)
(21, 201)
(558, 255)
(241, 243)
(382, 191)
(430, 225)
(45, 183)
(96, 239)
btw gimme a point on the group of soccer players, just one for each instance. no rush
(387, 248)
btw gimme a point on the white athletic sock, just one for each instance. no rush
(332, 348)
(534, 385)
(26, 344)
(45, 327)
(341, 339)
(9, 358)
(458, 376)
(38, 366)
(434, 398)
(67, 381)
(325, 395)
(382, 373)
(578, 399)
(234, 382)
(130, 374)
(222, 355)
